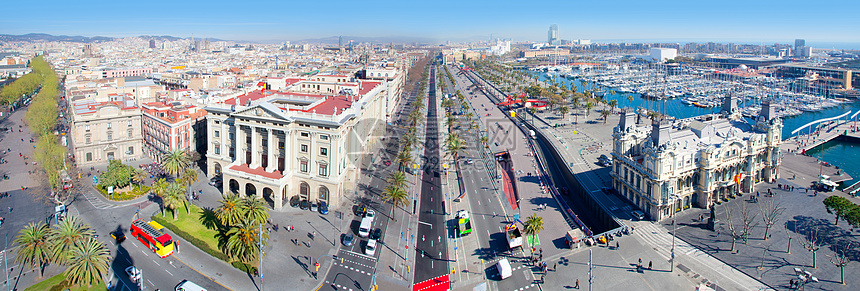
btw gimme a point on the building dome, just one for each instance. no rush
(742, 67)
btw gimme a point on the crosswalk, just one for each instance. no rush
(98, 203)
(660, 240)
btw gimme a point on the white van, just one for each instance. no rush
(504, 268)
(364, 228)
(186, 285)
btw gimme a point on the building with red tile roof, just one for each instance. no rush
(171, 125)
(302, 137)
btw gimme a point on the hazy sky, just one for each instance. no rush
(748, 21)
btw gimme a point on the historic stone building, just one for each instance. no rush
(673, 165)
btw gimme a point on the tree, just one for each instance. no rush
(747, 225)
(173, 198)
(255, 209)
(34, 246)
(612, 104)
(563, 110)
(139, 176)
(229, 211)
(812, 242)
(733, 232)
(605, 114)
(484, 140)
(840, 259)
(588, 107)
(838, 206)
(397, 179)
(88, 262)
(67, 233)
(188, 177)
(533, 226)
(455, 148)
(630, 100)
(404, 158)
(770, 213)
(159, 188)
(397, 196)
(175, 162)
(243, 239)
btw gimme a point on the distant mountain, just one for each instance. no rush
(333, 40)
(48, 37)
(173, 38)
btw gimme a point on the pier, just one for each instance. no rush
(824, 134)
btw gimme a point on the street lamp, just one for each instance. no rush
(674, 228)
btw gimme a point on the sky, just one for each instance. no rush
(750, 21)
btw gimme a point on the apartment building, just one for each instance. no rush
(171, 125)
(305, 140)
(106, 130)
(674, 165)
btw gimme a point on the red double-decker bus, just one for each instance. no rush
(157, 241)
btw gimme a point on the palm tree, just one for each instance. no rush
(243, 240)
(34, 246)
(254, 209)
(630, 100)
(450, 122)
(230, 210)
(397, 179)
(456, 147)
(612, 104)
(563, 110)
(575, 100)
(173, 198)
(175, 162)
(188, 177)
(139, 176)
(397, 196)
(533, 225)
(605, 114)
(409, 139)
(588, 107)
(88, 262)
(404, 157)
(653, 115)
(68, 232)
(484, 140)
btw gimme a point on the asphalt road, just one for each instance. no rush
(432, 257)
(488, 215)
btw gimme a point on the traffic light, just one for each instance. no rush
(317, 265)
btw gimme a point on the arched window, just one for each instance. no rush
(304, 189)
(323, 193)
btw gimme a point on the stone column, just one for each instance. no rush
(255, 148)
(270, 155)
(225, 148)
(277, 197)
(288, 159)
(240, 145)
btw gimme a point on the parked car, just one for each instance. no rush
(469, 162)
(348, 239)
(323, 207)
(294, 201)
(376, 234)
(370, 214)
(637, 215)
(305, 204)
(215, 181)
(359, 210)
(314, 207)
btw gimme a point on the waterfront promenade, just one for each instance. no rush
(804, 142)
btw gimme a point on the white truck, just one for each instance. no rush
(504, 268)
(515, 238)
(532, 133)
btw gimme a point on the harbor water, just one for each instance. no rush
(843, 154)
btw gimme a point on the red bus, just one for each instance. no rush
(157, 241)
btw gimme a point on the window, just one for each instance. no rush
(89, 139)
(88, 128)
(109, 135)
(108, 125)
(323, 151)
(130, 150)
(305, 134)
(324, 137)
(130, 133)
(129, 123)
(217, 133)
(304, 148)
(303, 166)
(217, 150)
(89, 157)
(280, 145)
(323, 170)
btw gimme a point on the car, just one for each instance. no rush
(387, 162)
(359, 210)
(603, 157)
(118, 236)
(370, 214)
(376, 234)
(134, 274)
(370, 248)
(469, 162)
(305, 204)
(606, 190)
(186, 285)
(215, 181)
(348, 239)
(314, 207)
(462, 214)
(323, 207)
(637, 215)
(294, 201)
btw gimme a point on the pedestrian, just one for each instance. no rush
(616, 245)
(649, 265)
(577, 284)
(554, 267)
(541, 251)
(640, 262)
(718, 233)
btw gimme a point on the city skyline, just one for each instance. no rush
(628, 21)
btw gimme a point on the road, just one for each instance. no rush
(487, 241)
(432, 253)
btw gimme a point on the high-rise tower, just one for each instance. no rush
(552, 35)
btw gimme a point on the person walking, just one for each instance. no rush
(554, 267)
(649, 265)
(577, 284)
(617, 245)
(640, 262)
